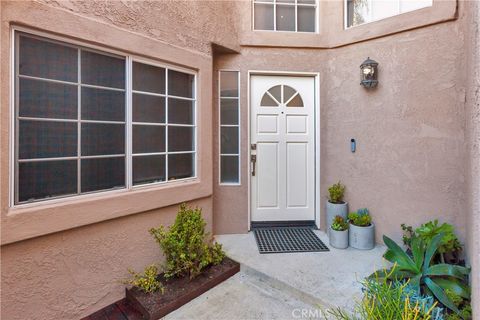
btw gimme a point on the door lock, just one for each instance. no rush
(253, 158)
(253, 146)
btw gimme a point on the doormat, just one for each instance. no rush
(290, 239)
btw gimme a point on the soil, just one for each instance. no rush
(179, 291)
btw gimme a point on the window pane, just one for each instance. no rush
(229, 140)
(410, 5)
(49, 60)
(229, 111)
(148, 78)
(229, 171)
(384, 9)
(358, 12)
(103, 139)
(263, 19)
(306, 1)
(44, 99)
(148, 169)
(102, 173)
(101, 104)
(180, 111)
(148, 139)
(180, 138)
(103, 70)
(180, 166)
(229, 84)
(147, 108)
(47, 139)
(45, 179)
(306, 19)
(180, 84)
(285, 18)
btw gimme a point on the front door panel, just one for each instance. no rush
(282, 130)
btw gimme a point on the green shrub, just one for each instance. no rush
(462, 304)
(360, 218)
(336, 192)
(387, 300)
(339, 224)
(188, 249)
(146, 281)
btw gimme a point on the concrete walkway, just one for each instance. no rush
(282, 286)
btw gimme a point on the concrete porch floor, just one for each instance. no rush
(280, 286)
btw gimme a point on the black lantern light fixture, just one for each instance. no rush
(369, 73)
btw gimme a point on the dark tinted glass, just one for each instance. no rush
(229, 111)
(229, 143)
(148, 169)
(180, 166)
(180, 138)
(180, 111)
(147, 108)
(47, 139)
(100, 104)
(103, 70)
(102, 173)
(148, 139)
(148, 78)
(229, 84)
(229, 169)
(263, 16)
(46, 59)
(180, 84)
(103, 139)
(43, 179)
(44, 99)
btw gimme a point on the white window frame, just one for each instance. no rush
(399, 12)
(220, 154)
(296, 4)
(129, 59)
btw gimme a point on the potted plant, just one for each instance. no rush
(335, 204)
(339, 233)
(362, 230)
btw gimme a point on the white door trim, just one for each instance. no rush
(316, 76)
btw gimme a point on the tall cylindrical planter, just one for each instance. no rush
(362, 238)
(339, 239)
(335, 209)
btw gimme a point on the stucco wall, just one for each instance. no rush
(409, 164)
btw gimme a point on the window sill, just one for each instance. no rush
(37, 219)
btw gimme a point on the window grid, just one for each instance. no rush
(235, 182)
(295, 4)
(128, 123)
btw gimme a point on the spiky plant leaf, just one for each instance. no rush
(440, 294)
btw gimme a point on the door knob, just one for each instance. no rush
(253, 158)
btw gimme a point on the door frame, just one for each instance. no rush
(317, 190)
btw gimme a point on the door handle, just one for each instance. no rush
(253, 159)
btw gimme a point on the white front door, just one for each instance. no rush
(282, 135)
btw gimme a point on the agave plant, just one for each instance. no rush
(423, 276)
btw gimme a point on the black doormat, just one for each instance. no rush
(291, 239)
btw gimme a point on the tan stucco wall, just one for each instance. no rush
(409, 164)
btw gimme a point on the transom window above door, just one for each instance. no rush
(285, 15)
(281, 95)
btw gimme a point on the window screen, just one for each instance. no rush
(229, 127)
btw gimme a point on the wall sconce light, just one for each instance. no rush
(369, 73)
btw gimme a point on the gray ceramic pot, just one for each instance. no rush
(335, 209)
(362, 238)
(339, 239)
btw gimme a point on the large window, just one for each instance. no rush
(363, 11)
(285, 15)
(83, 123)
(229, 127)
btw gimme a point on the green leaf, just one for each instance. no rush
(440, 294)
(418, 251)
(431, 249)
(415, 282)
(445, 269)
(453, 285)
(396, 254)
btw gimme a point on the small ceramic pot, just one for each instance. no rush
(335, 209)
(338, 239)
(362, 238)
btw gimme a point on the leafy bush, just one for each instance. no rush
(188, 249)
(339, 224)
(336, 192)
(146, 281)
(361, 218)
(425, 276)
(387, 300)
(462, 304)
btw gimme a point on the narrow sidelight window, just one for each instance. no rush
(72, 129)
(229, 104)
(285, 15)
